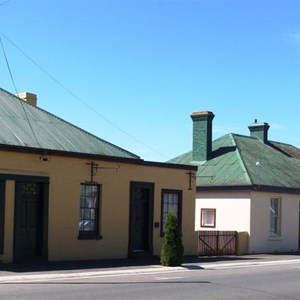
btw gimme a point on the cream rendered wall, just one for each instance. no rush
(250, 212)
(66, 174)
(232, 210)
(260, 241)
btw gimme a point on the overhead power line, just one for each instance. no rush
(21, 102)
(78, 98)
(8, 66)
(4, 2)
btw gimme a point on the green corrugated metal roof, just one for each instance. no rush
(234, 163)
(275, 167)
(23, 125)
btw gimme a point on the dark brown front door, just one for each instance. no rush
(141, 218)
(29, 221)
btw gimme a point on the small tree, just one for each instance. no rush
(172, 248)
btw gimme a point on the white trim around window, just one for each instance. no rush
(275, 217)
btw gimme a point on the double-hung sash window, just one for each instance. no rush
(89, 211)
(171, 200)
(275, 217)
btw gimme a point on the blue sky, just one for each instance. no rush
(132, 72)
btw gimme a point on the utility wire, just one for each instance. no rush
(7, 64)
(4, 2)
(78, 98)
(21, 102)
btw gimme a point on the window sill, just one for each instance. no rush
(89, 236)
(275, 238)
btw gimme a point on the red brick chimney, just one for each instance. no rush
(28, 97)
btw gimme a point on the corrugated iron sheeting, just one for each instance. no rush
(274, 169)
(234, 162)
(39, 129)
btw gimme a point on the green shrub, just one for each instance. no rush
(172, 248)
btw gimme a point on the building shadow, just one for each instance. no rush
(189, 262)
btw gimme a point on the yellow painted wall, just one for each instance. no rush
(66, 174)
(9, 222)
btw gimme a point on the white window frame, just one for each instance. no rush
(275, 217)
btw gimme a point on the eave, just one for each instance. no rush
(248, 188)
(99, 157)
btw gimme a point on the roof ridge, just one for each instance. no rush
(11, 94)
(240, 159)
(281, 143)
(221, 137)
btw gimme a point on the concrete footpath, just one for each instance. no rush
(67, 270)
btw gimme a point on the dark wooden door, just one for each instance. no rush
(299, 230)
(141, 218)
(28, 221)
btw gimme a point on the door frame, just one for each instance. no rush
(150, 186)
(2, 215)
(299, 227)
(44, 182)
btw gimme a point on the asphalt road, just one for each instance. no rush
(271, 280)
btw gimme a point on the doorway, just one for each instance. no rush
(141, 219)
(31, 218)
(299, 230)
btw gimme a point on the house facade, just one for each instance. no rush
(68, 195)
(246, 184)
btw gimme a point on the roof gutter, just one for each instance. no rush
(254, 187)
(136, 161)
